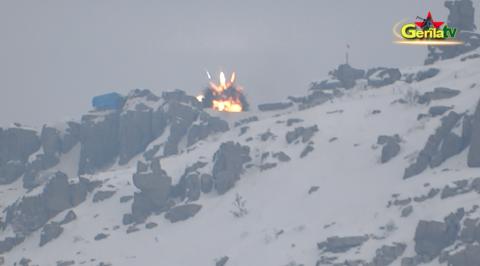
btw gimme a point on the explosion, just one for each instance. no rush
(224, 96)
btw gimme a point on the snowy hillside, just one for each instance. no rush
(304, 177)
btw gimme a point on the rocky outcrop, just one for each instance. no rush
(431, 237)
(16, 145)
(228, 165)
(102, 195)
(303, 133)
(341, 244)
(391, 147)
(49, 232)
(439, 93)
(421, 75)
(155, 187)
(461, 16)
(31, 213)
(347, 75)
(440, 146)
(467, 257)
(473, 159)
(382, 76)
(386, 255)
(205, 126)
(182, 212)
(100, 142)
(274, 106)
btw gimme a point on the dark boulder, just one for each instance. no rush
(49, 232)
(103, 195)
(228, 165)
(341, 244)
(182, 212)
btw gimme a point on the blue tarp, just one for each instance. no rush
(108, 101)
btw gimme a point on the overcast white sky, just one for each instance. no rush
(56, 54)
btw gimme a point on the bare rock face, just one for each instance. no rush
(100, 142)
(31, 213)
(49, 232)
(431, 237)
(469, 256)
(155, 187)
(303, 133)
(461, 16)
(16, 145)
(228, 165)
(440, 146)
(474, 152)
(348, 75)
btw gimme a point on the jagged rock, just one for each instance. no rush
(51, 141)
(150, 153)
(267, 166)
(228, 165)
(155, 188)
(71, 136)
(33, 212)
(31, 178)
(16, 145)
(301, 132)
(461, 187)
(385, 255)
(347, 75)
(246, 121)
(471, 231)
(182, 212)
(151, 225)
(432, 154)
(382, 76)
(407, 211)
(206, 183)
(100, 236)
(438, 93)
(438, 110)
(281, 156)
(49, 232)
(24, 262)
(11, 171)
(309, 148)
(102, 195)
(124, 199)
(207, 126)
(8, 243)
(461, 14)
(222, 261)
(341, 244)
(391, 147)
(421, 75)
(292, 121)
(134, 132)
(468, 257)
(100, 142)
(274, 106)
(473, 159)
(431, 194)
(70, 216)
(431, 237)
(181, 118)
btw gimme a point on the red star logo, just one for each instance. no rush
(429, 20)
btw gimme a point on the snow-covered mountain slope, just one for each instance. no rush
(292, 199)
